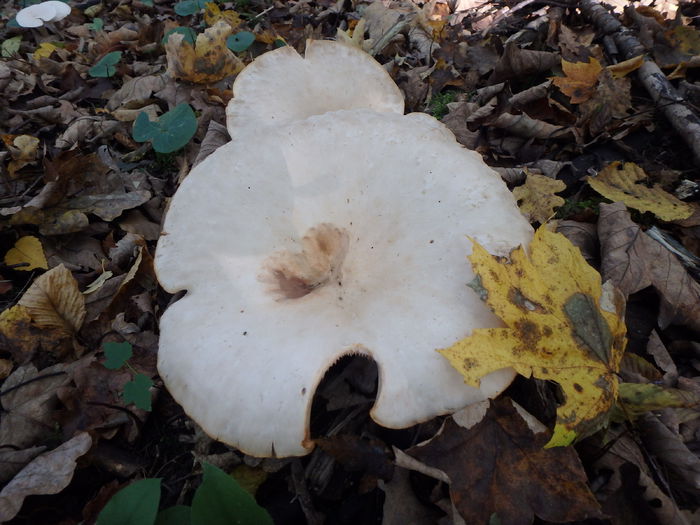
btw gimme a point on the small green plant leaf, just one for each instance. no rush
(136, 504)
(149, 3)
(189, 34)
(176, 515)
(189, 7)
(11, 46)
(170, 132)
(137, 392)
(97, 24)
(240, 41)
(220, 500)
(116, 354)
(105, 66)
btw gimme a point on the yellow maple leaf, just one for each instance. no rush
(624, 183)
(212, 14)
(560, 326)
(580, 80)
(44, 50)
(208, 61)
(536, 197)
(28, 252)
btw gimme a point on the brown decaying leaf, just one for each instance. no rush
(633, 261)
(499, 466)
(517, 62)
(48, 473)
(536, 197)
(54, 301)
(21, 338)
(208, 61)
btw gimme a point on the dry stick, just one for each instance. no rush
(682, 118)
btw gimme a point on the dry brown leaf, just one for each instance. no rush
(48, 473)
(625, 183)
(633, 261)
(29, 402)
(136, 91)
(12, 461)
(536, 197)
(208, 61)
(499, 467)
(22, 338)
(54, 301)
(517, 62)
(580, 80)
(524, 126)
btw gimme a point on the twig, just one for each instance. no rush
(670, 103)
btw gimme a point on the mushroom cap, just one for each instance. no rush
(280, 86)
(36, 15)
(343, 233)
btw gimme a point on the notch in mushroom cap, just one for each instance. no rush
(38, 14)
(341, 233)
(281, 86)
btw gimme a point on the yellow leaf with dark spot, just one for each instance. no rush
(625, 183)
(561, 326)
(27, 251)
(536, 197)
(208, 61)
(580, 80)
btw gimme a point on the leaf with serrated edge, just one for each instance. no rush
(557, 329)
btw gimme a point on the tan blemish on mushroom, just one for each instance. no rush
(292, 275)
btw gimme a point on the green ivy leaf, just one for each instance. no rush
(189, 34)
(97, 24)
(170, 132)
(105, 66)
(240, 41)
(116, 354)
(11, 46)
(220, 500)
(189, 7)
(136, 504)
(176, 515)
(137, 392)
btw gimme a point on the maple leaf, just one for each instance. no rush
(624, 183)
(536, 197)
(560, 327)
(580, 80)
(498, 468)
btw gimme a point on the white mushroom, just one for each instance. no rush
(341, 233)
(38, 14)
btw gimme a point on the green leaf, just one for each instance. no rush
(170, 132)
(189, 34)
(240, 41)
(220, 500)
(136, 504)
(149, 3)
(116, 354)
(189, 7)
(105, 66)
(137, 392)
(176, 515)
(10, 46)
(97, 24)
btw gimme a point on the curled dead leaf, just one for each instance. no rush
(54, 301)
(208, 61)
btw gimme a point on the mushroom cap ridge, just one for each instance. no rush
(281, 86)
(243, 362)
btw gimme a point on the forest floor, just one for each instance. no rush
(561, 98)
